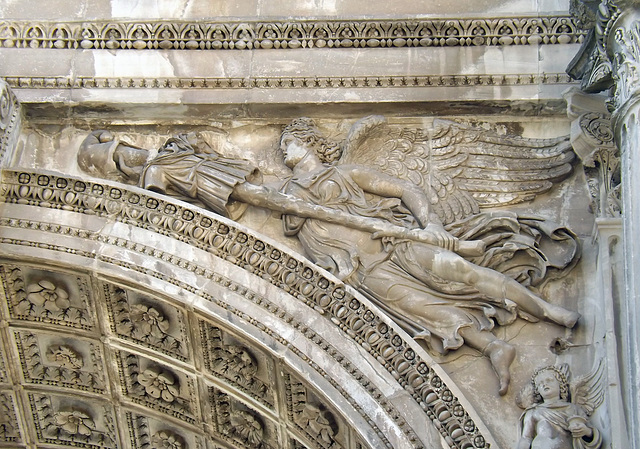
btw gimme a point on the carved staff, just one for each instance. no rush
(269, 198)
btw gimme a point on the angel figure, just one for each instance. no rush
(380, 232)
(446, 299)
(556, 415)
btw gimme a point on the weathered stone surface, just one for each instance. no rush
(131, 319)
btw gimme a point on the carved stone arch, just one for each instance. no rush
(165, 297)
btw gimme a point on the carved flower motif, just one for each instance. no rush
(246, 427)
(149, 321)
(65, 356)
(48, 295)
(75, 422)
(166, 439)
(159, 384)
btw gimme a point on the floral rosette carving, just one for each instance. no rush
(36, 296)
(75, 422)
(48, 296)
(64, 356)
(246, 427)
(149, 323)
(165, 439)
(159, 384)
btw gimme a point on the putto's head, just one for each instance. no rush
(550, 383)
(304, 132)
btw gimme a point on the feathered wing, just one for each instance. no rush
(461, 169)
(501, 170)
(588, 391)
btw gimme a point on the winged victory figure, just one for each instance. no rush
(437, 182)
(392, 213)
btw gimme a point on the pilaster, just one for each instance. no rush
(611, 60)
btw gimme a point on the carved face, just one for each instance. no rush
(547, 385)
(293, 150)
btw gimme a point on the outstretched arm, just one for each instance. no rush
(381, 184)
(412, 196)
(272, 199)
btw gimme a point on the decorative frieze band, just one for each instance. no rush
(300, 82)
(292, 34)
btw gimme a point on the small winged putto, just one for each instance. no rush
(557, 411)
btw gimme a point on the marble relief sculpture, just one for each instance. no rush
(556, 412)
(395, 214)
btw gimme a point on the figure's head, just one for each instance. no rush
(550, 383)
(301, 136)
(181, 142)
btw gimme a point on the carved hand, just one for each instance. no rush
(442, 237)
(580, 429)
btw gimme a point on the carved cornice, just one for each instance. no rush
(297, 277)
(301, 82)
(393, 33)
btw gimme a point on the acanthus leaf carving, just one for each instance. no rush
(9, 430)
(235, 363)
(625, 63)
(66, 366)
(592, 139)
(65, 356)
(77, 424)
(147, 323)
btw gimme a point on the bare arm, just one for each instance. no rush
(269, 198)
(412, 196)
(381, 184)
(528, 432)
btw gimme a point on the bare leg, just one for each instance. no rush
(499, 352)
(494, 284)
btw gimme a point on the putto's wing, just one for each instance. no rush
(588, 391)
(499, 170)
(525, 397)
(405, 154)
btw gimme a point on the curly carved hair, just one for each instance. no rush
(560, 377)
(305, 130)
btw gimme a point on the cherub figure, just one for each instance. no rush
(557, 418)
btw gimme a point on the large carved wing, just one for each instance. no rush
(461, 169)
(588, 391)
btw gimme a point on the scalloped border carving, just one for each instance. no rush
(181, 35)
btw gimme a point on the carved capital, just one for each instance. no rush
(625, 55)
(593, 141)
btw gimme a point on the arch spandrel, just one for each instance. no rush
(339, 370)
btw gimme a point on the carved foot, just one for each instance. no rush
(562, 316)
(501, 355)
